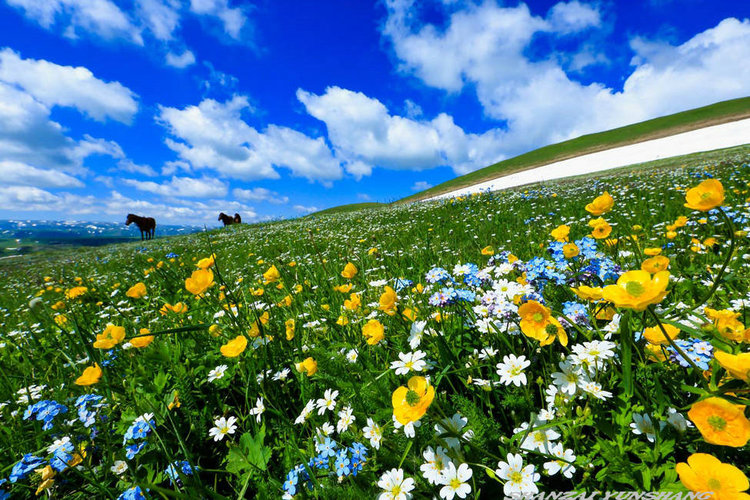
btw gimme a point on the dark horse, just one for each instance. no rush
(228, 219)
(147, 225)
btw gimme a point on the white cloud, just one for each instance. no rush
(421, 186)
(100, 17)
(162, 18)
(20, 174)
(127, 165)
(572, 17)
(364, 197)
(55, 85)
(214, 135)
(233, 19)
(259, 194)
(483, 48)
(305, 210)
(187, 58)
(366, 135)
(182, 187)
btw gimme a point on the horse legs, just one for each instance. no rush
(141, 234)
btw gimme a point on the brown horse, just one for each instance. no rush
(226, 219)
(147, 225)
(237, 218)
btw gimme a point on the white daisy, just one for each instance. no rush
(395, 486)
(454, 481)
(223, 426)
(327, 402)
(217, 373)
(259, 409)
(119, 467)
(435, 462)
(518, 479)
(563, 462)
(511, 370)
(346, 419)
(408, 362)
(374, 433)
(306, 412)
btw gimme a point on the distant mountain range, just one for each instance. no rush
(28, 236)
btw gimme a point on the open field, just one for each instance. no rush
(715, 114)
(480, 344)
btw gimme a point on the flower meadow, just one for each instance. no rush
(591, 335)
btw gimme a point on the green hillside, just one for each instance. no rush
(714, 114)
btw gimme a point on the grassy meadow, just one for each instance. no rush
(582, 336)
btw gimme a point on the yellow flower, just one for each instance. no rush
(76, 292)
(137, 291)
(175, 402)
(90, 376)
(58, 306)
(61, 320)
(410, 403)
(178, 308)
(214, 330)
(637, 290)
(727, 323)
(292, 264)
(570, 250)
(600, 228)
(655, 352)
(388, 301)
(721, 422)
(588, 293)
(704, 472)
(342, 321)
(534, 320)
(409, 314)
(200, 281)
(350, 271)
(738, 366)
(560, 233)
(705, 196)
(353, 302)
(143, 340)
(110, 337)
(285, 302)
(652, 251)
(309, 366)
(655, 264)
(289, 324)
(554, 330)
(206, 262)
(47, 479)
(271, 275)
(343, 288)
(254, 330)
(258, 292)
(487, 250)
(601, 204)
(372, 251)
(655, 336)
(373, 331)
(234, 347)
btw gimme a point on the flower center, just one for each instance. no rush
(516, 477)
(396, 491)
(714, 484)
(634, 288)
(455, 483)
(551, 329)
(717, 422)
(412, 398)
(538, 317)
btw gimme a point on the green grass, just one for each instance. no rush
(47, 338)
(713, 114)
(348, 208)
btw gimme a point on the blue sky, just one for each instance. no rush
(180, 109)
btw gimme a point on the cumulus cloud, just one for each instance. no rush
(100, 17)
(187, 58)
(483, 47)
(233, 19)
(162, 18)
(305, 210)
(421, 186)
(366, 135)
(127, 165)
(182, 187)
(55, 85)
(20, 174)
(213, 135)
(259, 194)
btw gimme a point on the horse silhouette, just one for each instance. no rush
(147, 225)
(237, 218)
(226, 219)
